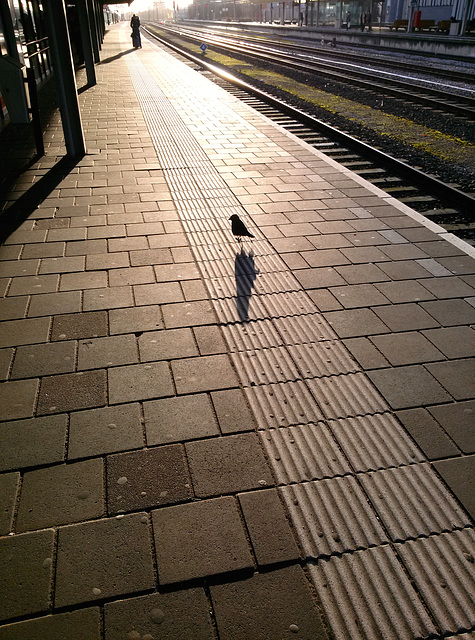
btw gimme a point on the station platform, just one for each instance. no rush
(206, 438)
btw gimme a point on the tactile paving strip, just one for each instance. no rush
(366, 593)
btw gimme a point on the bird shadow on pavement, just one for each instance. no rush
(245, 272)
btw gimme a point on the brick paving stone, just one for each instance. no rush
(107, 261)
(17, 399)
(168, 241)
(366, 353)
(324, 257)
(6, 356)
(204, 373)
(67, 235)
(14, 268)
(150, 257)
(44, 359)
(102, 559)
(194, 290)
(404, 291)
(135, 319)
(131, 275)
(287, 245)
(14, 333)
(148, 478)
(140, 382)
(433, 441)
(179, 419)
(458, 420)
(232, 411)
(360, 255)
(72, 391)
(28, 443)
(228, 464)
(405, 317)
(77, 326)
(457, 376)
(83, 624)
(177, 271)
(62, 265)
(324, 300)
(159, 293)
(47, 304)
(406, 348)
(450, 312)
(180, 614)
(26, 562)
(86, 247)
(277, 604)
(365, 238)
(188, 314)
(61, 495)
(80, 281)
(10, 252)
(26, 237)
(418, 234)
(213, 527)
(106, 430)
(9, 484)
(109, 231)
(110, 351)
(404, 270)
(111, 298)
(329, 241)
(459, 475)
(459, 265)
(318, 277)
(21, 286)
(13, 308)
(166, 345)
(452, 287)
(358, 295)
(209, 339)
(411, 386)
(402, 252)
(362, 273)
(353, 323)
(268, 527)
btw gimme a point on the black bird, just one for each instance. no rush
(238, 227)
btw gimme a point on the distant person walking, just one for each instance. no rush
(135, 35)
(348, 20)
(363, 21)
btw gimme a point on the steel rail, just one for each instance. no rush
(455, 196)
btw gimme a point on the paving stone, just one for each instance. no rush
(159, 293)
(106, 430)
(188, 314)
(166, 345)
(179, 419)
(140, 382)
(107, 261)
(13, 308)
(43, 250)
(151, 478)
(278, 604)
(318, 277)
(86, 280)
(209, 339)
(454, 342)
(402, 252)
(212, 526)
(61, 495)
(21, 236)
(405, 317)
(324, 300)
(180, 614)
(72, 391)
(177, 271)
(109, 298)
(83, 624)
(14, 333)
(366, 353)
(194, 290)
(62, 265)
(458, 419)
(270, 532)
(404, 270)
(449, 287)
(355, 322)
(406, 348)
(14, 268)
(102, 559)
(47, 304)
(77, 326)
(9, 484)
(131, 275)
(110, 351)
(360, 255)
(457, 376)
(135, 319)
(324, 257)
(450, 312)
(17, 399)
(404, 291)
(44, 359)
(227, 465)
(362, 273)
(433, 441)
(6, 356)
(405, 387)
(150, 257)
(358, 295)
(204, 373)
(459, 475)
(418, 234)
(328, 241)
(232, 410)
(27, 562)
(86, 247)
(459, 265)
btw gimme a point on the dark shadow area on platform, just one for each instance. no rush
(117, 56)
(245, 273)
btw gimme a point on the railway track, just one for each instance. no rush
(304, 61)
(442, 203)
